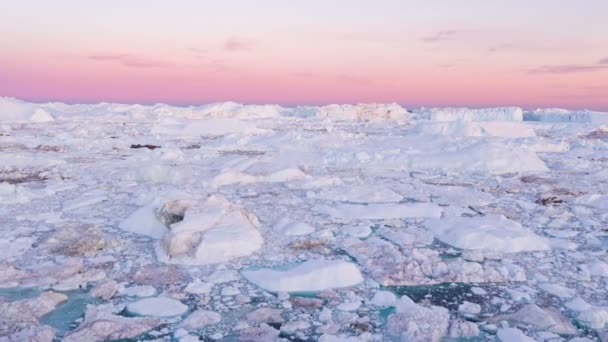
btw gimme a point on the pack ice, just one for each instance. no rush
(345, 222)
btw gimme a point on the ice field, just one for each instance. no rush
(229, 222)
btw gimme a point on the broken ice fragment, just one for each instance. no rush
(310, 276)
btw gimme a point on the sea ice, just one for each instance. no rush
(144, 221)
(213, 233)
(490, 232)
(379, 211)
(310, 276)
(157, 307)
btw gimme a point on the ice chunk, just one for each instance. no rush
(157, 307)
(540, 318)
(14, 110)
(599, 268)
(101, 325)
(491, 232)
(558, 290)
(310, 276)
(490, 158)
(513, 335)
(144, 221)
(200, 319)
(413, 322)
(565, 115)
(468, 114)
(366, 112)
(384, 299)
(379, 211)
(230, 177)
(85, 200)
(293, 228)
(213, 233)
(469, 308)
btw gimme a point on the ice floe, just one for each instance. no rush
(310, 276)
(491, 232)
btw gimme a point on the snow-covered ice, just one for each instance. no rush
(491, 232)
(157, 307)
(310, 276)
(363, 222)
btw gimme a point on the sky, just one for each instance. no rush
(541, 53)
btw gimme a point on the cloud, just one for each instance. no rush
(129, 61)
(603, 61)
(440, 36)
(238, 44)
(567, 69)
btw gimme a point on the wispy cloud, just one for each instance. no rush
(567, 69)
(130, 61)
(440, 36)
(603, 61)
(238, 44)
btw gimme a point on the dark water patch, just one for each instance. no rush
(447, 295)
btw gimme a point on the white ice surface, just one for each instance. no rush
(491, 233)
(310, 276)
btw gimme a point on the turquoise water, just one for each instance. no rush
(64, 315)
(18, 293)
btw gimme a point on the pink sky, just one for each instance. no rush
(550, 53)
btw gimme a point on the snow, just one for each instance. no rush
(157, 307)
(491, 232)
(310, 276)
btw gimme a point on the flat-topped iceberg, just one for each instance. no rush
(491, 233)
(310, 276)
(565, 115)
